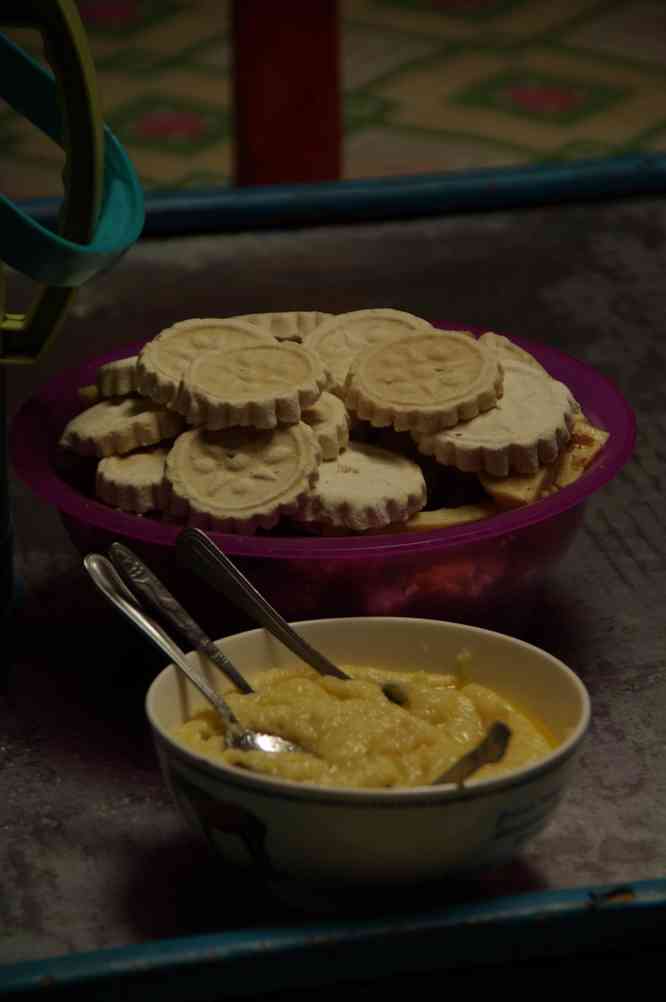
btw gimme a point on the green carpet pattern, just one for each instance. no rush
(429, 86)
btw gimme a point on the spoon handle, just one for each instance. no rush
(199, 553)
(490, 749)
(112, 586)
(149, 587)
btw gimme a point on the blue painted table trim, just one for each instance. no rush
(213, 210)
(546, 924)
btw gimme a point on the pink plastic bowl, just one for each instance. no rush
(485, 573)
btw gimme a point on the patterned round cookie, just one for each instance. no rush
(240, 479)
(118, 378)
(528, 427)
(338, 340)
(424, 382)
(329, 420)
(119, 425)
(508, 351)
(289, 326)
(134, 482)
(164, 360)
(257, 386)
(364, 488)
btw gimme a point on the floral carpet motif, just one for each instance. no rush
(429, 86)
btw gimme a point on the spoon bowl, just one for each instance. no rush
(489, 750)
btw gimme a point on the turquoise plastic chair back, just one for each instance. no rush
(102, 212)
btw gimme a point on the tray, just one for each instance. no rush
(593, 883)
(508, 930)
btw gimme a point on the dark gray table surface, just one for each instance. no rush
(93, 853)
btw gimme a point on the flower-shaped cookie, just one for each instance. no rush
(424, 382)
(240, 479)
(134, 482)
(508, 351)
(329, 420)
(164, 360)
(365, 487)
(294, 325)
(338, 340)
(118, 378)
(256, 386)
(527, 428)
(119, 425)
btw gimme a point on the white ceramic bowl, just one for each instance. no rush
(354, 836)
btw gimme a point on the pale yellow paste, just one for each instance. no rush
(356, 737)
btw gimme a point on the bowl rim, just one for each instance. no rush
(31, 454)
(417, 796)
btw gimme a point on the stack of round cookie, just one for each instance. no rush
(232, 424)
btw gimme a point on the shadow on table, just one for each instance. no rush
(183, 889)
(77, 675)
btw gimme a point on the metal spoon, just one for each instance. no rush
(490, 749)
(141, 580)
(198, 552)
(112, 586)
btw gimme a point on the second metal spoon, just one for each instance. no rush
(198, 552)
(144, 583)
(112, 586)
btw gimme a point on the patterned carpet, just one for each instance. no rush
(429, 86)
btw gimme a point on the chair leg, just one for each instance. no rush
(287, 104)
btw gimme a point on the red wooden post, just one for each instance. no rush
(287, 103)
